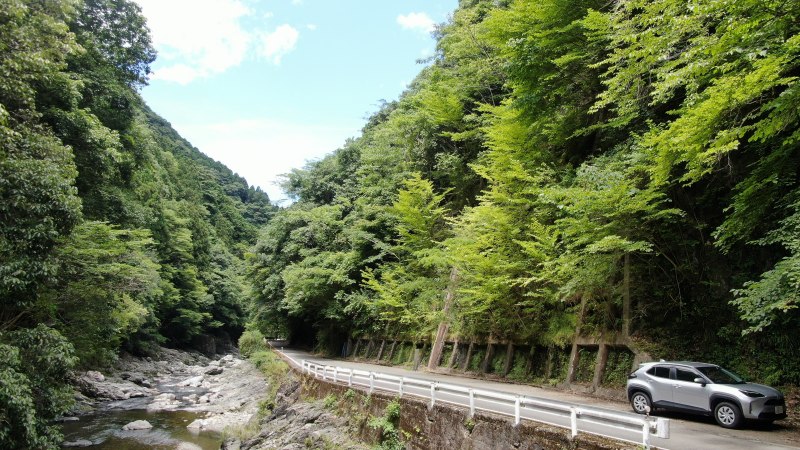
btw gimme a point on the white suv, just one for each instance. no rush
(705, 389)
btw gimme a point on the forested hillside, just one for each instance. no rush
(114, 231)
(564, 168)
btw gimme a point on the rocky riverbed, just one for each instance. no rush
(184, 400)
(212, 394)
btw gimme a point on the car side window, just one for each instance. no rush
(659, 371)
(685, 375)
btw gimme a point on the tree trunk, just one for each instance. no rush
(487, 359)
(380, 350)
(626, 296)
(441, 333)
(454, 355)
(574, 356)
(509, 359)
(469, 355)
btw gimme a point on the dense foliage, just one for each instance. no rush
(620, 168)
(114, 231)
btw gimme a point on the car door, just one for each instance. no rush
(660, 384)
(687, 393)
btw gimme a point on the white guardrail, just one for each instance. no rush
(577, 418)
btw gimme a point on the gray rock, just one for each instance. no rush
(193, 381)
(214, 371)
(231, 444)
(196, 425)
(79, 443)
(95, 375)
(137, 425)
(67, 419)
(188, 446)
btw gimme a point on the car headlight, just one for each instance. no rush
(752, 394)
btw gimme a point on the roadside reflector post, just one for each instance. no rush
(401, 386)
(433, 394)
(371, 382)
(471, 403)
(516, 411)
(349, 377)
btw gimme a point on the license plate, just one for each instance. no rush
(779, 410)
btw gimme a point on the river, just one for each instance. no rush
(186, 398)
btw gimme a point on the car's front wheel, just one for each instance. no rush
(640, 402)
(728, 415)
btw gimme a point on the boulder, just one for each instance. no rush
(192, 382)
(196, 425)
(78, 443)
(67, 419)
(188, 446)
(213, 371)
(137, 425)
(95, 375)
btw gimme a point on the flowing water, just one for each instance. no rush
(103, 427)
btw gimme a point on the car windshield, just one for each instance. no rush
(720, 376)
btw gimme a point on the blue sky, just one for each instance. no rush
(266, 85)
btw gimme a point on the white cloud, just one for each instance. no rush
(311, 26)
(196, 38)
(279, 43)
(416, 21)
(179, 73)
(297, 2)
(262, 149)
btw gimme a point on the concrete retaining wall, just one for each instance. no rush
(446, 426)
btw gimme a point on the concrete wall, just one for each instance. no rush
(446, 426)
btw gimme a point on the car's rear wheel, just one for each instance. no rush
(640, 402)
(728, 415)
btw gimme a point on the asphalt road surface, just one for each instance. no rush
(686, 432)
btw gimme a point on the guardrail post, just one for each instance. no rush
(371, 382)
(662, 428)
(516, 411)
(303, 365)
(471, 403)
(336, 374)
(433, 394)
(349, 377)
(324, 373)
(646, 434)
(401, 387)
(573, 420)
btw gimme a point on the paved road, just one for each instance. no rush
(697, 433)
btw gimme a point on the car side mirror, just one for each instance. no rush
(701, 381)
